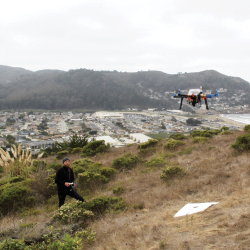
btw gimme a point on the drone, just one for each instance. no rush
(194, 96)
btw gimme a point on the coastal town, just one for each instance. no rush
(36, 130)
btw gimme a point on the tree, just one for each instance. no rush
(193, 122)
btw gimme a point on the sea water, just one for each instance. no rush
(242, 118)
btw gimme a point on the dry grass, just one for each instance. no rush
(215, 175)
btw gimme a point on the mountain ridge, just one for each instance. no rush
(89, 89)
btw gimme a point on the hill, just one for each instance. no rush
(9, 74)
(88, 89)
(215, 173)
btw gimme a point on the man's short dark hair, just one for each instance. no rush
(65, 159)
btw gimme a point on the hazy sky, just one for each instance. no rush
(124, 35)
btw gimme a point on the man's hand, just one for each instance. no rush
(66, 184)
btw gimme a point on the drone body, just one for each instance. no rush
(194, 96)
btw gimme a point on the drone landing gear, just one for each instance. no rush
(181, 102)
(206, 104)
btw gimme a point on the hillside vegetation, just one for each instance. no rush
(88, 89)
(133, 194)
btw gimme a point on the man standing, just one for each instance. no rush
(64, 179)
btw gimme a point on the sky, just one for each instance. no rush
(128, 36)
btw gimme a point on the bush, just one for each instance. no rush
(51, 241)
(76, 150)
(201, 133)
(62, 154)
(242, 143)
(193, 122)
(156, 162)
(14, 196)
(224, 128)
(82, 211)
(50, 180)
(1, 169)
(37, 164)
(92, 174)
(95, 147)
(149, 143)
(54, 165)
(173, 144)
(91, 179)
(118, 190)
(178, 136)
(72, 212)
(187, 151)
(169, 155)
(172, 172)
(147, 151)
(125, 162)
(102, 204)
(200, 140)
(247, 128)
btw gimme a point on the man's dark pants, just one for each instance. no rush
(71, 192)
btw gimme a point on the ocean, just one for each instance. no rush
(242, 118)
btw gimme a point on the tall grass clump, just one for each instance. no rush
(19, 163)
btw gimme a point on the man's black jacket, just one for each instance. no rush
(64, 174)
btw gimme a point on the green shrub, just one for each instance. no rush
(247, 128)
(91, 174)
(83, 162)
(125, 162)
(156, 162)
(200, 140)
(37, 164)
(147, 151)
(54, 165)
(14, 196)
(102, 204)
(31, 224)
(1, 169)
(76, 150)
(72, 212)
(62, 154)
(187, 151)
(173, 144)
(91, 179)
(169, 155)
(201, 133)
(118, 190)
(83, 211)
(242, 143)
(107, 171)
(225, 132)
(149, 143)
(93, 148)
(88, 235)
(178, 136)
(172, 172)
(50, 180)
(51, 241)
(224, 128)
(45, 155)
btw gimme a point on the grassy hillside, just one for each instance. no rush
(214, 173)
